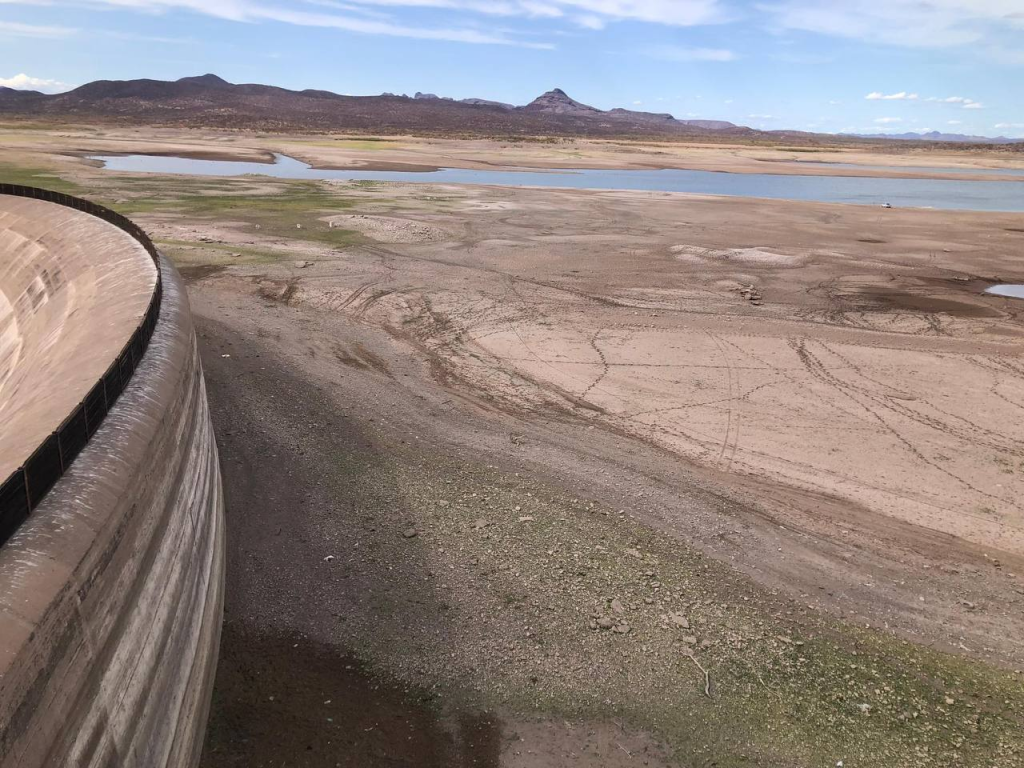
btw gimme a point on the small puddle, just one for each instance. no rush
(1011, 291)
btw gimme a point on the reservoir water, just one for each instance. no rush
(1011, 291)
(947, 194)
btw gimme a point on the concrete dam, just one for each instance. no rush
(111, 506)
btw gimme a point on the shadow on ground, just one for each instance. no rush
(317, 557)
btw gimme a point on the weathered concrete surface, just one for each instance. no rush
(73, 288)
(111, 593)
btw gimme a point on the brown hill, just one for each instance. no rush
(557, 102)
(211, 101)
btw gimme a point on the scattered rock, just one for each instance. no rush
(618, 607)
(410, 533)
(605, 623)
(678, 620)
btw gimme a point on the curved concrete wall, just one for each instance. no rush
(73, 288)
(111, 592)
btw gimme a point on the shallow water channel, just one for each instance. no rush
(947, 194)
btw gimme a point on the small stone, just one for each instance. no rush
(443, 503)
(605, 623)
(950, 702)
(410, 533)
(328, 558)
(623, 629)
(677, 619)
(618, 607)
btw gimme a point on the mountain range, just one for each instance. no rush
(956, 138)
(210, 101)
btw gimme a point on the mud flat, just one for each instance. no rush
(604, 476)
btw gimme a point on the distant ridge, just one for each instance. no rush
(211, 101)
(955, 138)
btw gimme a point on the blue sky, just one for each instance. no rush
(824, 65)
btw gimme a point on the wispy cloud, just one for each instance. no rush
(962, 101)
(907, 23)
(131, 37)
(888, 120)
(25, 82)
(683, 53)
(374, 27)
(901, 96)
(253, 11)
(15, 29)
(594, 13)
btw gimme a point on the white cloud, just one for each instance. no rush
(954, 122)
(901, 96)
(761, 117)
(963, 101)
(14, 29)
(25, 82)
(681, 53)
(1009, 125)
(888, 120)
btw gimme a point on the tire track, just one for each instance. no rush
(818, 370)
